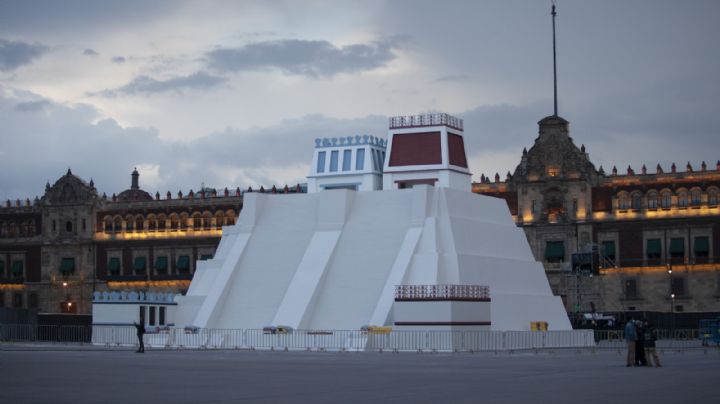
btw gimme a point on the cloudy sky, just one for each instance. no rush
(232, 93)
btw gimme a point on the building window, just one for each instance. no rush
(33, 300)
(682, 199)
(174, 224)
(533, 206)
(652, 201)
(695, 197)
(206, 257)
(334, 161)
(17, 300)
(197, 221)
(139, 223)
(712, 197)
(161, 265)
(677, 286)
(84, 223)
(161, 223)
(17, 269)
(553, 171)
(54, 227)
(623, 202)
(117, 227)
(360, 159)
(347, 159)
(161, 320)
(677, 248)
(701, 248)
(183, 264)
(631, 289)
(68, 226)
(114, 266)
(575, 205)
(666, 200)
(230, 218)
(139, 265)
(608, 249)
(555, 251)
(2, 268)
(183, 221)
(129, 223)
(653, 248)
(67, 266)
(321, 162)
(152, 223)
(2, 298)
(636, 202)
(207, 221)
(151, 321)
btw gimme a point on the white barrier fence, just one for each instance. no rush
(347, 340)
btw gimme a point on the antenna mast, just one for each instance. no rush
(554, 61)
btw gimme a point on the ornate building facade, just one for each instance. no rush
(644, 241)
(57, 250)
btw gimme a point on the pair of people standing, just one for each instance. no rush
(640, 338)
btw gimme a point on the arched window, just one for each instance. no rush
(713, 196)
(652, 200)
(152, 223)
(636, 201)
(68, 226)
(117, 224)
(197, 221)
(695, 197)
(12, 229)
(32, 229)
(230, 217)
(219, 220)
(682, 198)
(623, 201)
(129, 223)
(108, 224)
(183, 221)
(207, 220)
(139, 223)
(174, 222)
(666, 199)
(161, 222)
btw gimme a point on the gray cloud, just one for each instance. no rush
(118, 59)
(301, 57)
(148, 85)
(452, 78)
(90, 52)
(14, 54)
(32, 106)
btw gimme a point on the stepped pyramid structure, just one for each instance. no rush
(346, 255)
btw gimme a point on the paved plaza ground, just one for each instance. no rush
(34, 373)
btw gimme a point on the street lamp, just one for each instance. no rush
(672, 313)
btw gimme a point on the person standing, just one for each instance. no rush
(630, 338)
(640, 344)
(140, 332)
(650, 352)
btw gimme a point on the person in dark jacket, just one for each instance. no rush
(140, 332)
(650, 352)
(640, 344)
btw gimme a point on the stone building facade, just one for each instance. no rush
(644, 241)
(57, 250)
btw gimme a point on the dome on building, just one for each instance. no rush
(69, 189)
(134, 193)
